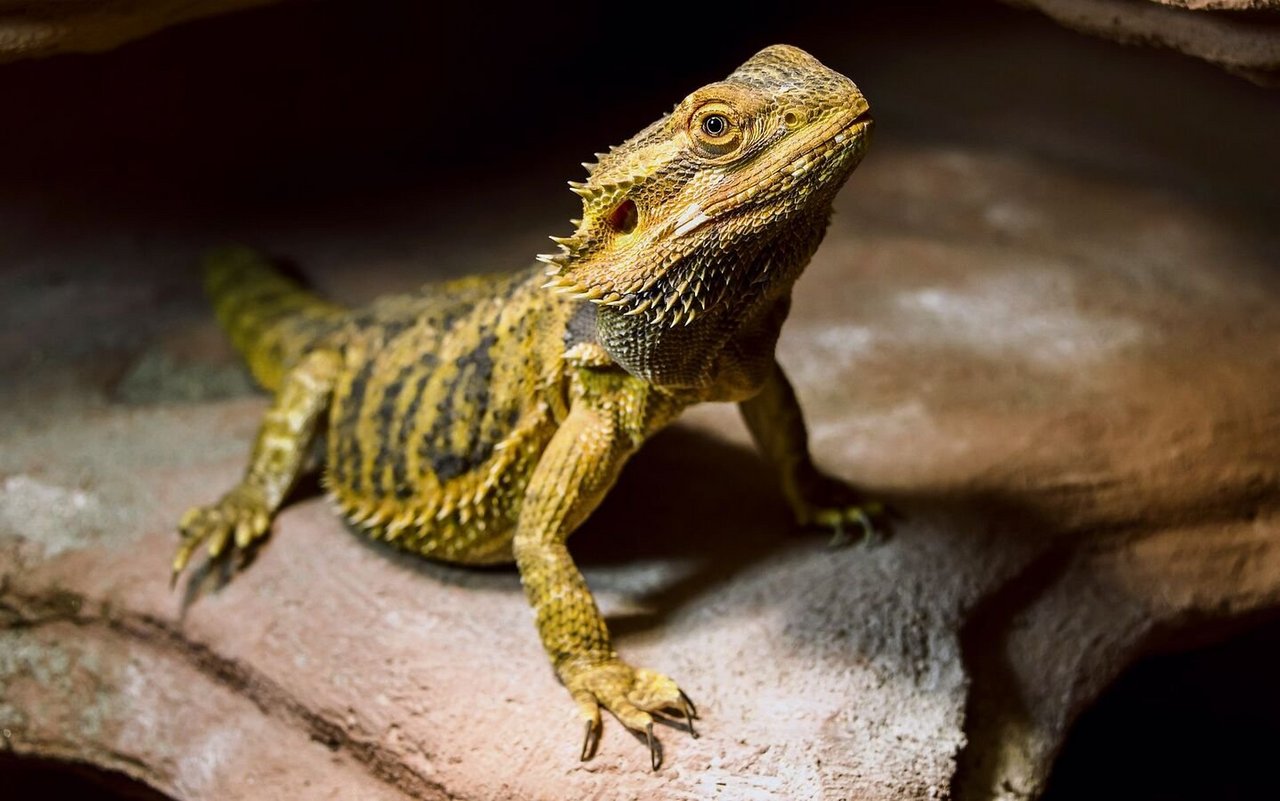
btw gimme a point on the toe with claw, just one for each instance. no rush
(632, 695)
(239, 519)
(834, 505)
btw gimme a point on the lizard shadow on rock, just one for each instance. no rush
(687, 498)
(704, 508)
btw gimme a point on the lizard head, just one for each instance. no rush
(730, 190)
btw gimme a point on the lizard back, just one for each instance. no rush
(446, 400)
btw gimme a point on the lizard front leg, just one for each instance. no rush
(245, 512)
(777, 426)
(579, 465)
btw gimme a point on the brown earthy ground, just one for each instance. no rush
(1045, 325)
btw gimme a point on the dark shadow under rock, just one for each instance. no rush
(30, 777)
(1181, 727)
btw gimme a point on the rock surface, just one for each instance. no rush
(1223, 5)
(29, 28)
(1043, 325)
(1246, 46)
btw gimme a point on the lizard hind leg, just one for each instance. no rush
(243, 515)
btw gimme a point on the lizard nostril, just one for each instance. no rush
(624, 217)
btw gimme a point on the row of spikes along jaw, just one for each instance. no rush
(615, 232)
(646, 250)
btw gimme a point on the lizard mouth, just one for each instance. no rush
(843, 143)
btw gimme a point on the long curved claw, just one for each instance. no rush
(870, 534)
(180, 560)
(688, 721)
(591, 741)
(655, 751)
(839, 537)
(690, 712)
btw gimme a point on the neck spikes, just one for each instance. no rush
(590, 262)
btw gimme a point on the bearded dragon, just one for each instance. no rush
(482, 420)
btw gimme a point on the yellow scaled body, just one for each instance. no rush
(482, 420)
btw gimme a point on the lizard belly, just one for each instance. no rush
(437, 424)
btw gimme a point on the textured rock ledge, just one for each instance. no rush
(1248, 46)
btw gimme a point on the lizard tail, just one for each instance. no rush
(272, 320)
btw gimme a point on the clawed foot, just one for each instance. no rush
(831, 504)
(631, 694)
(241, 516)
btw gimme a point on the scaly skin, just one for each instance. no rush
(484, 419)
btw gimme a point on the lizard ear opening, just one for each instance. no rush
(624, 217)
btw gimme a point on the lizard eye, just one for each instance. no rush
(715, 129)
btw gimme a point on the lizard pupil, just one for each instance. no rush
(715, 125)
